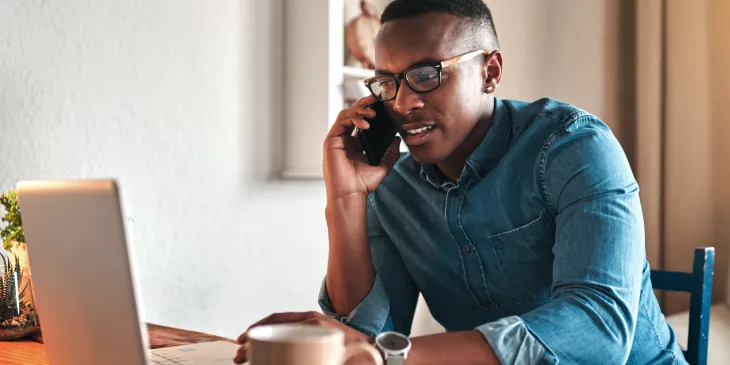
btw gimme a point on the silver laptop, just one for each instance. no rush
(85, 290)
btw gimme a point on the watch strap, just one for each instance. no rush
(395, 360)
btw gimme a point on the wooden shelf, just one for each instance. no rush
(314, 40)
(350, 72)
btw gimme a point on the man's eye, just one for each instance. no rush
(424, 76)
(387, 85)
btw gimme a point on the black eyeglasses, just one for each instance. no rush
(421, 78)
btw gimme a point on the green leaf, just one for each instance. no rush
(13, 230)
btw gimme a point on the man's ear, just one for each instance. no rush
(492, 71)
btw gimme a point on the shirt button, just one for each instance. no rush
(466, 249)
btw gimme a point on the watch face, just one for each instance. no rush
(393, 342)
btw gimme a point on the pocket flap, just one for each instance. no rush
(521, 234)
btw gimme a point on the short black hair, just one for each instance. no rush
(474, 12)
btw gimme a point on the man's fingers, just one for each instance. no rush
(392, 154)
(368, 100)
(349, 143)
(319, 321)
(241, 354)
(357, 121)
(363, 111)
(345, 124)
(353, 117)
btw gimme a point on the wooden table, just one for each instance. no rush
(29, 352)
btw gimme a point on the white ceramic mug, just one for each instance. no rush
(296, 344)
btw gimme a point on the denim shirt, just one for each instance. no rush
(539, 245)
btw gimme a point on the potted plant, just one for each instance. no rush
(18, 317)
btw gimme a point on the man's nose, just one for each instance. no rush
(406, 100)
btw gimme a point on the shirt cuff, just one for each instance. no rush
(369, 317)
(513, 343)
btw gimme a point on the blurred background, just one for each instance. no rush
(211, 115)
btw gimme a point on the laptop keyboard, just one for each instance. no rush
(166, 359)
(209, 353)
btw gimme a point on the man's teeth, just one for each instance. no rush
(419, 130)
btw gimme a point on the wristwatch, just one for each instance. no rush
(394, 347)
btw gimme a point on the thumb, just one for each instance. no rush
(392, 154)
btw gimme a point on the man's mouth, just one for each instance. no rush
(413, 132)
(416, 134)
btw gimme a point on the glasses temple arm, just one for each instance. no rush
(462, 58)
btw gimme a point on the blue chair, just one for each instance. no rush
(699, 284)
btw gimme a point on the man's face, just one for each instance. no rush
(451, 110)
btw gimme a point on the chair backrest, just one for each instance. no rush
(699, 284)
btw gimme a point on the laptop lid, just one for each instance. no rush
(82, 277)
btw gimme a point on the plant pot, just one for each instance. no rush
(18, 316)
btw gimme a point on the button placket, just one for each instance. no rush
(471, 262)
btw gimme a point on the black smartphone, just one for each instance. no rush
(377, 139)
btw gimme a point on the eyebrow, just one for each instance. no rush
(419, 62)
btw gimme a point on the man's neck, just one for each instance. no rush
(452, 166)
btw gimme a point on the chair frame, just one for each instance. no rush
(699, 284)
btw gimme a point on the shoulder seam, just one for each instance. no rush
(570, 117)
(575, 115)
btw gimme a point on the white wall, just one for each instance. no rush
(554, 48)
(175, 99)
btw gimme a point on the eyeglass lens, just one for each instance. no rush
(420, 79)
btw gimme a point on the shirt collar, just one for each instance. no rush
(489, 151)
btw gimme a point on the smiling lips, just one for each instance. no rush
(417, 130)
(416, 134)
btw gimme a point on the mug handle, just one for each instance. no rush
(358, 347)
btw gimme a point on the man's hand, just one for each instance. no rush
(309, 318)
(346, 170)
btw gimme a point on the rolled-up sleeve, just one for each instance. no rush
(513, 343)
(598, 257)
(369, 317)
(391, 303)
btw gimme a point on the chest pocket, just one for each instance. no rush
(526, 259)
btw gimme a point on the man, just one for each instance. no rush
(520, 223)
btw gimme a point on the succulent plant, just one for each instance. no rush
(12, 294)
